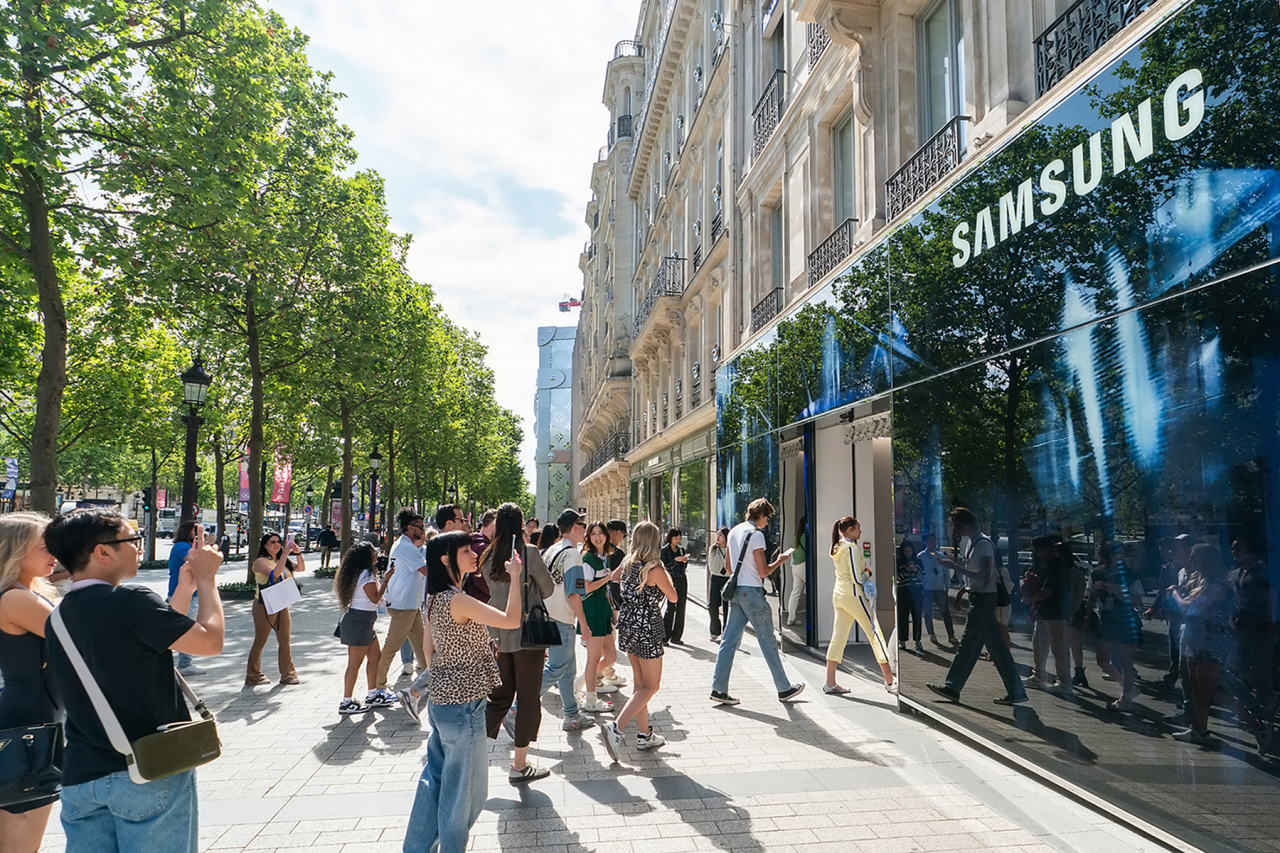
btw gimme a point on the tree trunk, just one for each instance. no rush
(52, 379)
(155, 509)
(256, 441)
(219, 487)
(417, 480)
(1012, 452)
(389, 506)
(346, 473)
(326, 500)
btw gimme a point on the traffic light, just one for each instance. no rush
(146, 499)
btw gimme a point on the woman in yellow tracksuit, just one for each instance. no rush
(852, 604)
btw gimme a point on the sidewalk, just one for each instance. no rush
(822, 774)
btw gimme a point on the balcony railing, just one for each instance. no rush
(624, 127)
(627, 48)
(1077, 35)
(679, 399)
(831, 251)
(717, 226)
(766, 309)
(930, 164)
(768, 111)
(665, 419)
(668, 282)
(697, 257)
(819, 41)
(616, 446)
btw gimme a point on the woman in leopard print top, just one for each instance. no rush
(455, 782)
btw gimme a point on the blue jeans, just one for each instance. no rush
(406, 653)
(184, 659)
(114, 815)
(454, 784)
(981, 628)
(749, 604)
(562, 669)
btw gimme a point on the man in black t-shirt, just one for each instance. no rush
(125, 635)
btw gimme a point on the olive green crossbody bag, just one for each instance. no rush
(172, 749)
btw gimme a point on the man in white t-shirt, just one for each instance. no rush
(405, 592)
(981, 628)
(564, 606)
(749, 568)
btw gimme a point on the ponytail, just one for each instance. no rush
(841, 524)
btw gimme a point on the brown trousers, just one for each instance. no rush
(521, 680)
(263, 626)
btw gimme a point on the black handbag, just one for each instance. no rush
(1003, 599)
(730, 588)
(30, 763)
(537, 630)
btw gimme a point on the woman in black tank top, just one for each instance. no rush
(30, 696)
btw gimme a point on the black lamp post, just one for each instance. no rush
(310, 515)
(375, 462)
(195, 387)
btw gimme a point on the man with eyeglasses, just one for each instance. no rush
(127, 636)
(405, 592)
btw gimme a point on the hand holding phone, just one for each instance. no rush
(513, 564)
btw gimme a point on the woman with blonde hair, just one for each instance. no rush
(30, 695)
(854, 600)
(645, 583)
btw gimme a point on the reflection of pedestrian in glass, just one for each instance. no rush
(981, 628)
(1077, 585)
(854, 601)
(910, 583)
(1254, 627)
(1207, 642)
(1175, 554)
(1049, 596)
(676, 560)
(937, 580)
(717, 574)
(1118, 627)
(794, 616)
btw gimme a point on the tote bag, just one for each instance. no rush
(280, 595)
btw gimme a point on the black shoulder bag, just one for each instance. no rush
(537, 630)
(730, 587)
(30, 760)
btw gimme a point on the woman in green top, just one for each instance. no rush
(599, 613)
(794, 615)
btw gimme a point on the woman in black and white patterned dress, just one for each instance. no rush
(645, 583)
(455, 783)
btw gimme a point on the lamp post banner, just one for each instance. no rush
(244, 482)
(281, 486)
(10, 478)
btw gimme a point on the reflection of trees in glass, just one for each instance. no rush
(693, 507)
(747, 402)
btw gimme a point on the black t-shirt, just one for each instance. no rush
(1055, 578)
(123, 633)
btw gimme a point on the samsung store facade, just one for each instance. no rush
(1077, 337)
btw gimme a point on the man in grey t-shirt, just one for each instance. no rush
(981, 627)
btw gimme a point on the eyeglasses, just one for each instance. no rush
(137, 538)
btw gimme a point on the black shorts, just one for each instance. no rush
(356, 627)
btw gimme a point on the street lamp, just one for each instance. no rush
(195, 387)
(375, 462)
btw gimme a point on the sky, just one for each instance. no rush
(484, 120)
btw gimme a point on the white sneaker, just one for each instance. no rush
(649, 741)
(577, 723)
(190, 669)
(612, 739)
(407, 669)
(597, 707)
(614, 679)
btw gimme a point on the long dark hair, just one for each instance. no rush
(549, 536)
(841, 524)
(262, 549)
(440, 576)
(508, 523)
(589, 548)
(360, 558)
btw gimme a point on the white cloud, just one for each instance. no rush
(484, 119)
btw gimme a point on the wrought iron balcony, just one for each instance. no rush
(935, 159)
(668, 282)
(717, 226)
(766, 309)
(627, 48)
(697, 257)
(665, 419)
(819, 41)
(768, 111)
(624, 127)
(679, 399)
(831, 251)
(695, 393)
(1078, 34)
(616, 446)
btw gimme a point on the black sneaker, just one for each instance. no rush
(1080, 680)
(945, 692)
(1010, 700)
(791, 692)
(723, 698)
(347, 707)
(530, 773)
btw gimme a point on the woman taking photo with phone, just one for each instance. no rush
(599, 612)
(455, 783)
(271, 566)
(30, 696)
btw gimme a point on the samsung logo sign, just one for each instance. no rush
(1132, 141)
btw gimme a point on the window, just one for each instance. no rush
(941, 70)
(843, 175)
(775, 246)
(718, 192)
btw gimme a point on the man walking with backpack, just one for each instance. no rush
(747, 604)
